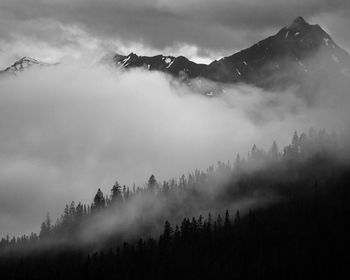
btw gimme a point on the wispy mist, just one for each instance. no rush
(67, 130)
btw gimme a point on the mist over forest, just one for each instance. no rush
(143, 141)
(75, 135)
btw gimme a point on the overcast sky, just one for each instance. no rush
(199, 29)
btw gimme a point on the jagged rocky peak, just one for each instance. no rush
(132, 55)
(299, 23)
(118, 56)
(300, 26)
(28, 60)
(306, 35)
(278, 61)
(22, 64)
(157, 62)
(25, 63)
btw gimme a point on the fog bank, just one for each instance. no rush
(68, 130)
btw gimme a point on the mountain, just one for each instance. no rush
(23, 64)
(300, 54)
(292, 56)
(177, 66)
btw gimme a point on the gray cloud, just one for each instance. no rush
(222, 26)
(67, 130)
(63, 136)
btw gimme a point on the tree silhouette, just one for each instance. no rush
(274, 154)
(152, 184)
(99, 200)
(45, 228)
(116, 193)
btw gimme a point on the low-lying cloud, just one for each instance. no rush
(213, 28)
(68, 130)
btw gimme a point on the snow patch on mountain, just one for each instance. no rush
(326, 41)
(25, 63)
(335, 58)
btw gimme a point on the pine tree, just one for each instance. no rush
(295, 144)
(72, 212)
(274, 154)
(152, 183)
(227, 222)
(303, 141)
(79, 211)
(45, 228)
(116, 193)
(168, 231)
(219, 221)
(65, 218)
(99, 200)
(238, 163)
(237, 218)
(200, 222)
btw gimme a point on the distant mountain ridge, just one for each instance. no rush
(177, 66)
(23, 64)
(300, 54)
(283, 59)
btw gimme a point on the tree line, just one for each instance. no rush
(302, 238)
(243, 177)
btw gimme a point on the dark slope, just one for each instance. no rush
(299, 54)
(304, 236)
(177, 66)
(291, 56)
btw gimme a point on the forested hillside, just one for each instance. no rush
(298, 226)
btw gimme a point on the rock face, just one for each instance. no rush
(298, 53)
(177, 66)
(23, 64)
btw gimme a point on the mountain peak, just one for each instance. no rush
(299, 23)
(25, 63)
(279, 61)
(299, 20)
(27, 58)
(22, 63)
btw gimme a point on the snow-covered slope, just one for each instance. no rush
(23, 64)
